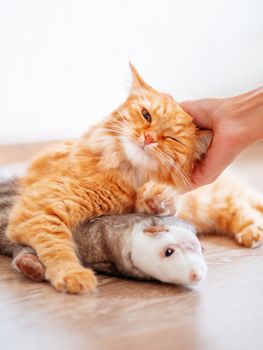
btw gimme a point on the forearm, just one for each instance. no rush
(246, 113)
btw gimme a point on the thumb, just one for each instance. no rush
(217, 158)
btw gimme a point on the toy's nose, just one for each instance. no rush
(195, 276)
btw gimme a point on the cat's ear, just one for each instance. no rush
(203, 143)
(137, 82)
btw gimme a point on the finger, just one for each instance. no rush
(199, 111)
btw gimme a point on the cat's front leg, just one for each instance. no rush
(48, 233)
(58, 255)
(44, 217)
(153, 198)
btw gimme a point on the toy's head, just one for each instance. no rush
(169, 252)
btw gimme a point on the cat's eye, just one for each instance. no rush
(169, 252)
(174, 139)
(146, 115)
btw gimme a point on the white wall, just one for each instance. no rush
(64, 64)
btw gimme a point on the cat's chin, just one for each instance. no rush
(137, 155)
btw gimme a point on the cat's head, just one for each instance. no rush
(152, 134)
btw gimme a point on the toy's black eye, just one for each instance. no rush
(146, 115)
(169, 252)
(203, 250)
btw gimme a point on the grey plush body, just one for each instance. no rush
(104, 244)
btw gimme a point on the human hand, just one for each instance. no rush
(235, 122)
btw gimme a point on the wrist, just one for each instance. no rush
(245, 113)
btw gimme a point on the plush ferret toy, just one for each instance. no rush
(139, 246)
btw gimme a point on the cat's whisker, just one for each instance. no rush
(165, 162)
(175, 167)
(116, 120)
(125, 133)
(182, 175)
(121, 126)
(106, 130)
(113, 130)
(125, 121)
(115, 126)
(181, 171)
(172, 165)
(116, 123)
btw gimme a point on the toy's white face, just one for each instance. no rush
(172, 255)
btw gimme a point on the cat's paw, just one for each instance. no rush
(157, 199)
(251, 236)
(29, 265)
(76, 280)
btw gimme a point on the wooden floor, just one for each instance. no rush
(224, 313)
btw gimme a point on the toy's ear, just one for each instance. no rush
(155, 230)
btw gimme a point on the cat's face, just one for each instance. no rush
(155, 135)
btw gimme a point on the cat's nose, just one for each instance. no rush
(148, 139)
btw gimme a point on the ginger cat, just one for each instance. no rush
(131, 161)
